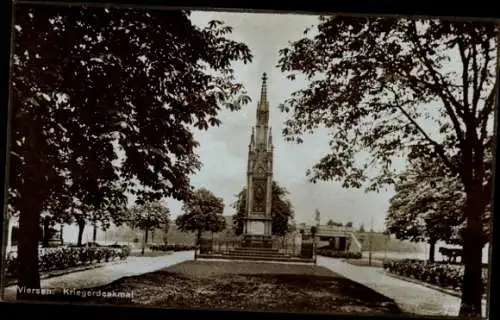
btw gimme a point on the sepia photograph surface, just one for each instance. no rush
(284, 162)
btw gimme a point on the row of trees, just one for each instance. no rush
(202, 212)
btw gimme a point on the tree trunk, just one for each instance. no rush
(28, 275)
(81, 228)
(61, 235)
(472, 286)
(143, 249)
(94, 233)
(198, 238)
(46, 233)
(432, 250)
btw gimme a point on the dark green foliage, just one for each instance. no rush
(429, 206)
(202, 212)
(149, 216)
(374, 82)
(440, 274)
(52, 259)
(82, 91)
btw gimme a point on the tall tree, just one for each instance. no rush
(91, 83)
(149, 216)
(202, 212)
(281, 208)
(375, 82)
(426, 208)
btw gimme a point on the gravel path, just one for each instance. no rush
(109, 273)
(410, 297)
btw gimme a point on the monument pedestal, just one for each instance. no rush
(257, 232)
(257, 241)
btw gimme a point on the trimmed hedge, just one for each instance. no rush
(440, 274)
(339, 254)
(51, 259)
(171, 247)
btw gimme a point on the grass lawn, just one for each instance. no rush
(247, 286)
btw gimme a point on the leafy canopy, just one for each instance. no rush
(427, 207)
(150, 216)
(381, 87)
(90, 83)
(202, 212)
(378, 84)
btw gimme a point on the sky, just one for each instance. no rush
(224, 150)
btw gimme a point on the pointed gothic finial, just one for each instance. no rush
(263, 90)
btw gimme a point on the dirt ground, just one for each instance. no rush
(245, 286)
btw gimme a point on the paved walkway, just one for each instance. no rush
(109, 273)
(410, 297)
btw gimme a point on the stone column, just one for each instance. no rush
(250, 197)
(268, 203)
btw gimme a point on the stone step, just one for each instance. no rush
(256, 248)
(256, 251)
(232, 253)
(235, 257)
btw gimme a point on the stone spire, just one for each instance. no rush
(263, 93)
(263, 106)
(262, 115)
(257, 225)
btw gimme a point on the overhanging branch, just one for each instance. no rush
(438, 147)
(439, 87)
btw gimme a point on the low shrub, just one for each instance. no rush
(440, 274)
(171, 247)
(339, 254)
(62, 258)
